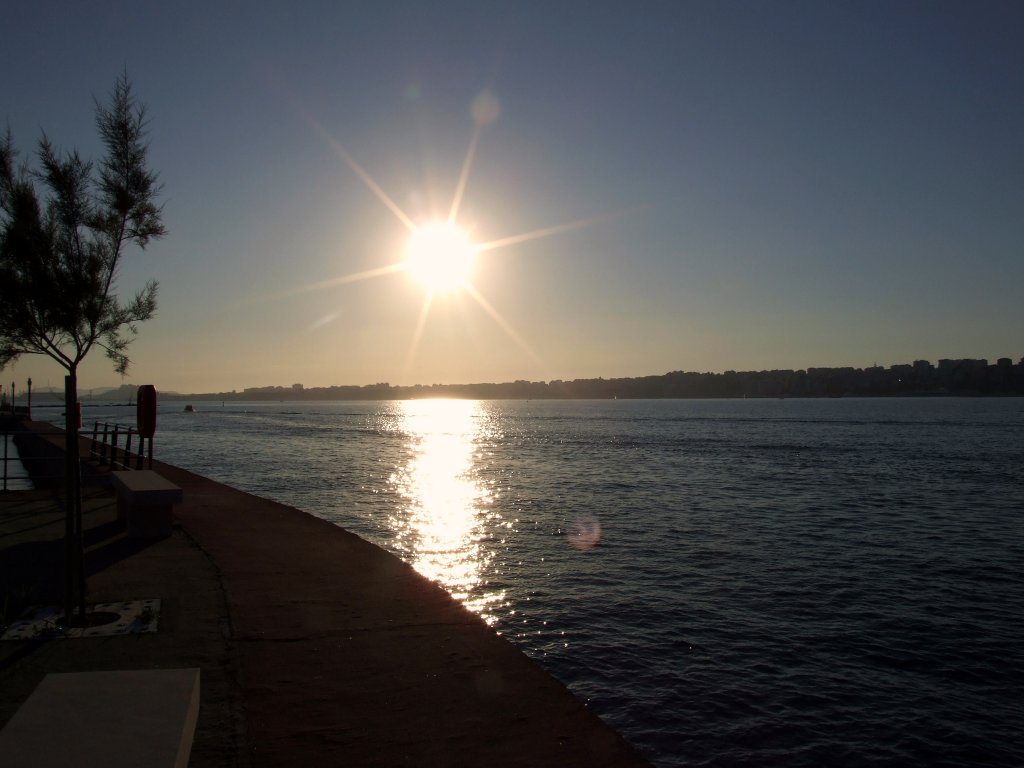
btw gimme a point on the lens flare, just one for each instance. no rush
(584, 533)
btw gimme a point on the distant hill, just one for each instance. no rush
(122, 394)
(920, 378)
(949, 377)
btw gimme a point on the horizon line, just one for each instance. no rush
(299, 387)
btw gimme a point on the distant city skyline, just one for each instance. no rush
(702, 186)
(921, 376)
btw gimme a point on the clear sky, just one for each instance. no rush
(749, 185)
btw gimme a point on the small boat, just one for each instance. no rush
(190, 408)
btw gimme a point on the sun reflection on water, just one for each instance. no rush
(443, 520)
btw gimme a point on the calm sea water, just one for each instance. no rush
(728, 583)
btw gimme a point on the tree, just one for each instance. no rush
(60, 252)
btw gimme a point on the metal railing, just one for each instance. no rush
(106, 446)
(23, 479)
(111, 447)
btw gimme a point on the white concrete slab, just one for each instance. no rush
(145, 486)
(117, 719)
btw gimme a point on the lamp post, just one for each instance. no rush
(30, 398)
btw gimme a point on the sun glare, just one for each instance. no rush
(439, 256)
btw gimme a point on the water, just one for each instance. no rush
(728, 583)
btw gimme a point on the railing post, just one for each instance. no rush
(5, 461)
(103, 445)
(95, 431)
(127, 463)
(113, 447)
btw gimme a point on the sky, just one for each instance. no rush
(657, 186)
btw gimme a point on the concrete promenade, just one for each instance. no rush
(316, 647)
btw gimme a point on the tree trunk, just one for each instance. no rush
(74, 560)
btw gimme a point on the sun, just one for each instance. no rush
(440, 256)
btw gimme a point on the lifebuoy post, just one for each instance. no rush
(145, 410)
(145, 417)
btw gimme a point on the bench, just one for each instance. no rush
(116, 719)
(144, 501)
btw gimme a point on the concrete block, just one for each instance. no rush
(117, 719)
(144, 502)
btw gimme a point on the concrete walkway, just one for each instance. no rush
(193, 630)
(317, 648)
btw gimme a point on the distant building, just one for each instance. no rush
(948, 366)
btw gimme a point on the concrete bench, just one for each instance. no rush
(144, 502)
(115, 719)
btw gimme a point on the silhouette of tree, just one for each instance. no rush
(64, 229)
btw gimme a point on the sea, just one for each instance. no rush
(793, 582)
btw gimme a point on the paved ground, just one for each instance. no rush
(193, 629)
(316, 647)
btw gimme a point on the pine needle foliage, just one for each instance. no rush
(64, 228)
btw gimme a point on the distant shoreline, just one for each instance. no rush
(956, 378)
(180, 398)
